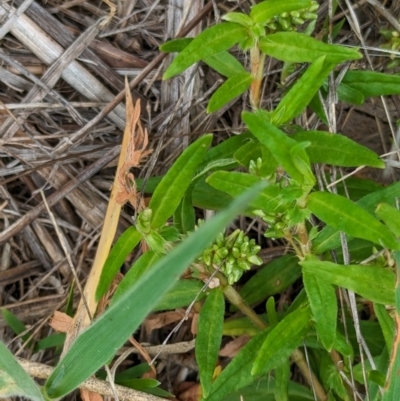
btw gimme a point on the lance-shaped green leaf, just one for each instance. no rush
(209, 336)
(282, 379)
(95, 346)
(175, 45)
(205, 196)
(347, 216)
(229, 90)
(371, 282)
(184, 216)
(392, 387)
(235, 183)
(174, 184)
(391, 217)
(337, 150)
(239, 18)
(119, 252)
(349, 95)
(211, 41)
(323, 303)
(302, 92)
(275, 140)
(282, 340)
(271, 279)
(14, 381)
(329, 237)
(294, 47)
(265, 10)
(371, 83)
(224, 63)
(226, 149)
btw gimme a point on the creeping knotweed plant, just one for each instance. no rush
(232, 254)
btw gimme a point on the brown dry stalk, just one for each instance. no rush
(128, 157)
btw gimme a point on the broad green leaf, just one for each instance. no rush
(96, 346)
(278, 143)
(329, 237)
(294, 47)
(337, 150)
(371, 282)
(238, 372)
(265, 10)
(211, 41)
(183, 293)
(225, 64)
(371, 83)
(324, 308)
(204, 196)
(14, 381)
(144, 263)
(229, 90)
(390, 216)
(387, 325)
(302, 92)
(281, 341)
(119, 252)
(235, 183)
(184, 216)
(174, 184)
(209, 336)
(347, 216)
(282, 378)
(175, 45)
(302, 162)
(392, 387)
(271, 279)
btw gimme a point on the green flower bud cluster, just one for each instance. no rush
(276, 224)
(156, 240)
(393, 43)
(289, 21)
(232, 254)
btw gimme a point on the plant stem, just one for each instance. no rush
(297, 356)
(257, 60)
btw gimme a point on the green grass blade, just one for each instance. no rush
(209, 335)
(372, 282)
(174, 184)
(97, 345)
(14, 381)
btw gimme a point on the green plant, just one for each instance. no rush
(329, 235)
